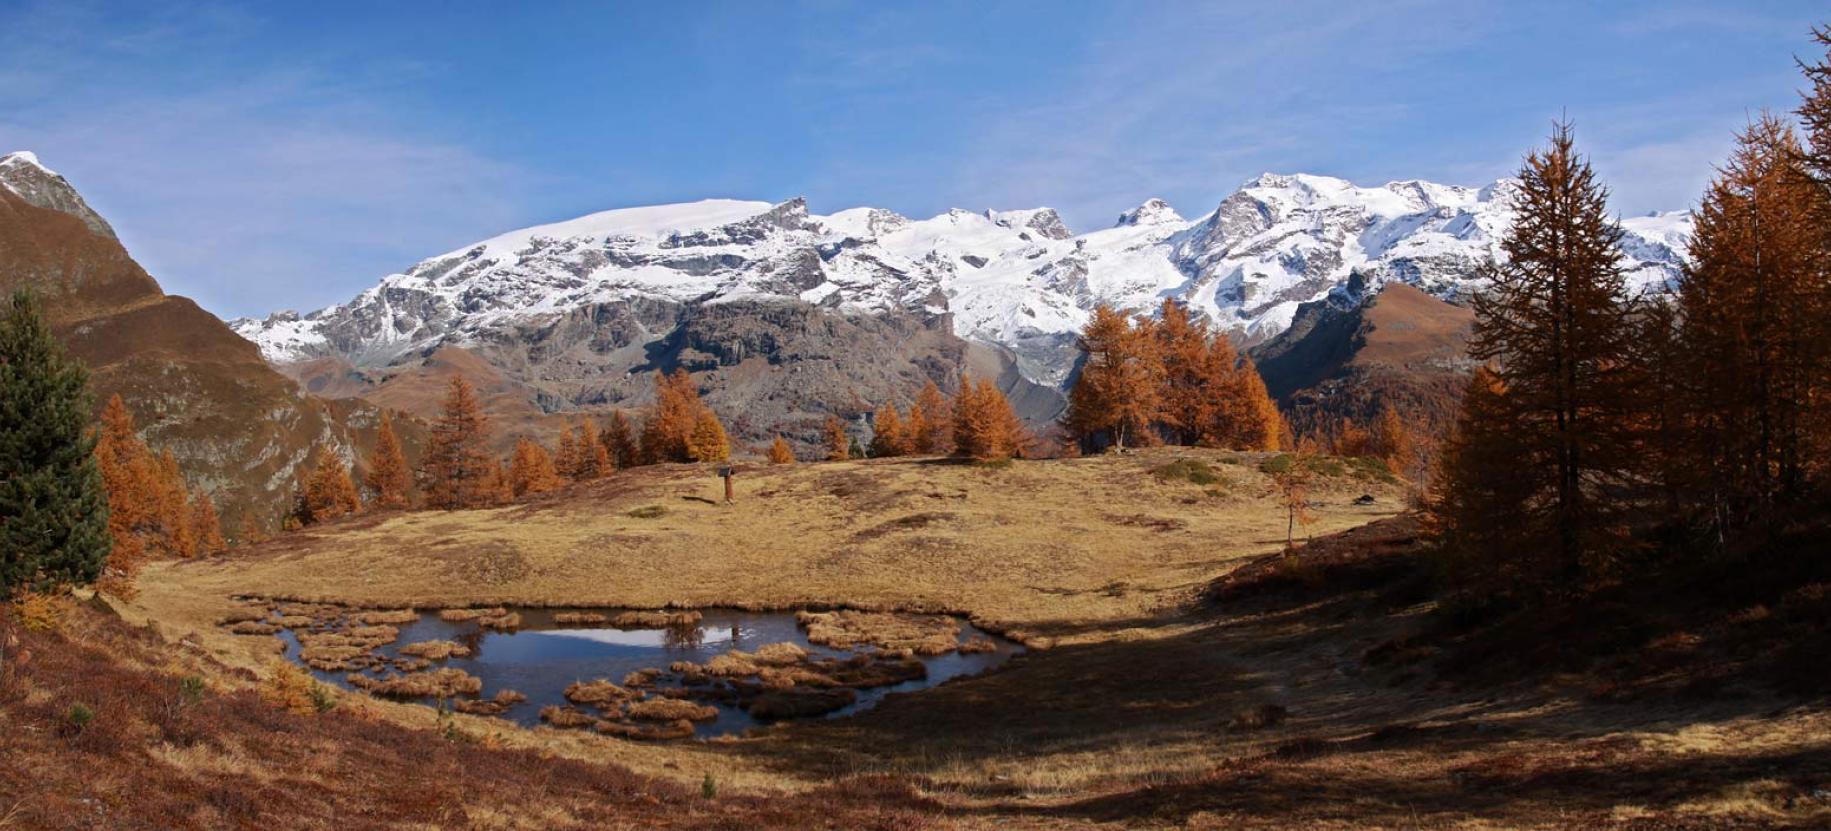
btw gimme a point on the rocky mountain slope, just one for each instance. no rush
(238, 428)
(1354, 353)
(785, 316)
(1018, 280)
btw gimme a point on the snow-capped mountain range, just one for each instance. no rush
(1018, 279)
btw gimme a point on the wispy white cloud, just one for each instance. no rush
(239, 187)
(1184, 102)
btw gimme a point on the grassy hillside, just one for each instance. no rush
(1185, 673)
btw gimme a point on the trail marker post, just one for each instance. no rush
(725, 471)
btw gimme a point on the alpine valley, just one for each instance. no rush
(783, 315)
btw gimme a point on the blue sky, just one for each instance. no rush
(266, 156)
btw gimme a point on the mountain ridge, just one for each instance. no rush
(1015, 279)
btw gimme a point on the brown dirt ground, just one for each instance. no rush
(1144, 705)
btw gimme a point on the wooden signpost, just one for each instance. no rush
(725, 471)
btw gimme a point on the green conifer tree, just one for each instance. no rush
(53, 510)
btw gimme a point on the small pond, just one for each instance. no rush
(646, 675)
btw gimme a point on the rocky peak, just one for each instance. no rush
(1044, 221)
(23, 174)
(1153, 211)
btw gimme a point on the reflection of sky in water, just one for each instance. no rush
(543, 657)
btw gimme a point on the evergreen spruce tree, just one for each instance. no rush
(53, 508)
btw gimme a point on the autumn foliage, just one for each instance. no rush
(531, 470)
(668, 434)
(388, 478)
(329, 491)
(1611, 437)
(456, 470)
(780, 453)
(151, 512)
(931, 422)
(1145, 381)
(889, 435)
(985, 427)
(838, 445)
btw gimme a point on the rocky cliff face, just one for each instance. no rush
(1354, 353)
(238, 428)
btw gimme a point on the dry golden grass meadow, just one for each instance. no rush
(1143, 701)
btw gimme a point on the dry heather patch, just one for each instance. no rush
(493, 706)
(978, 644)
(672, 730)
(245, 614)
(445, 682)
(253, 627)
(332, 658)
(503, 623)
(779, 654)
(463, 615)
(800, 702)
(294, 690)
(566, 716)
(920, 634)
(669, 709)
(654, 620)
(642, 677)
(599, 693)
(374, 635)
(575, 618)
(435, 650)
(387, 616)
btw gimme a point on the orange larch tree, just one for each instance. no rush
(130, 474)
(531, 470)
(1752, 307)
(1555, 325)
(669, 429)
(566, 461)
(985, 426)
(708, 442)
(455, 466)
(889, 436)
(780, 453)
(1117, 397)
(206, 526)
(387, 477)
(594, 458)
(329, 491)
(621, 441)
(1192, 378)
(838, 445)
(930, 422)
(174, 500)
